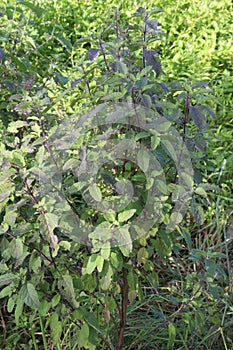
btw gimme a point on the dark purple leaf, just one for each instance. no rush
(176, 85)
(2, 55)
(153, 24)
(75, 82)
(209, 111)
(198, 117)
(202, 84)
(153, 61)
(140, 11)
(163, 86)
(182, 95)
(113, 65)
(93, 53)
(200, 143)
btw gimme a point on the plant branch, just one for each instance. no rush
(123, 311)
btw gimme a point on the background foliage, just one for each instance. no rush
(177, 288)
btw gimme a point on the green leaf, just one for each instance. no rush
(200, 190)
(44, 307)
(92, 321)
(95, 192)
(142, 255)
(10, 218)
(106, 280)
(19, 159)
(34, 262)
(170, 149)
(139, 178)
(109, 215)
(18, 309)
(66, 288)
(7, 291)
(38, 10)
(51, 221)
(105, 250)
(172, 335)
(56, 328)
(29, 295)
(83, 335)
(163, 127)
(56, 299)
(143, 159)
(126, 215)
(146, 100)
(65, 42)
(123, 239)
(91, 264)
(122, 67)
(99, 263)
(14, 126)
(10, 304)
(139, 136)
(6, 279)
(116, 260)
(186, 235)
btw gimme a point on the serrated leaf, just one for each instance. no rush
(95, 192)
(140, 11)
(29, 295)
(7, 278)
